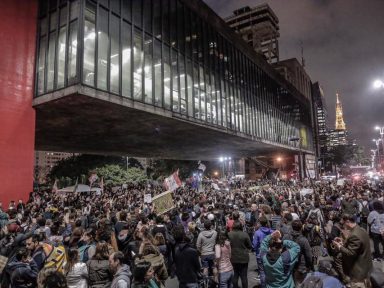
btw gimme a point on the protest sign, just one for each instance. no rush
(147, 198)
(306, 191)
(163, 202)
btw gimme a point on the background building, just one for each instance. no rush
(259, 27)
(339, 135)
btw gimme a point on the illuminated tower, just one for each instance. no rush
(340, 125)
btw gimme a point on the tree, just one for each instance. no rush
(115, 175)
(347, 155)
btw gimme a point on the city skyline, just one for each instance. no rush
(341, 51)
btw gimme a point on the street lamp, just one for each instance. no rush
(377, 84)
(377, 142)
(381, 131)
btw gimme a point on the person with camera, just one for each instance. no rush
(278, 259)
(355, 253)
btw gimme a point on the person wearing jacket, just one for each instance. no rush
(304, 264)
(186, 260)
(23, 271)
(279, 264)
(206, 246)
(223, 259)
(122, 277)
(100, 275)
(355, 253)
(76, 272)
(240, 247)
(258, 238)
(151, 254)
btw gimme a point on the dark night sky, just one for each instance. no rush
(343, 49)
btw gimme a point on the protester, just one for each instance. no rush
(75, 271)
(240, 248)
(98, 267)
(279, 264)
(122, 273)
(223, 259)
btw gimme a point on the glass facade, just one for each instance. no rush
(163, 53)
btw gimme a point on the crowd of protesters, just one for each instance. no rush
(115, 240)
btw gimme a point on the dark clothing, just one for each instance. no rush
(119, 226)
(356, 255)
(22, 274)
(39, 257)
(240, 270)
(187, 263)
(350, 207)
(99, 273)
(304, 263)
(240, 245)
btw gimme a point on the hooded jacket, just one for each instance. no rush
(22, 274)
(99, 273)
(278, 266)
(206, 242)
(259, 236)
(122, 278)
(187, 263)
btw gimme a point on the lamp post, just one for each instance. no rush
(377, 142)
(298, 140)
(373, 151)
(381, 131)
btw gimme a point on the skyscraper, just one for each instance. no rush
(338, 136)
(259, 27)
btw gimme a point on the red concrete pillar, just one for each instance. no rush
(18, 20)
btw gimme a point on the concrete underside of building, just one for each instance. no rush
(82, 119)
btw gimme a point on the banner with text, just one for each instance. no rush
(163, 202)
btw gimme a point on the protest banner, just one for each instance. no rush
(340, 182)
(172, 182)
(306, 191)
(147, 198)
(163, 202)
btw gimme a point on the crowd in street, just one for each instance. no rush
(116, 240)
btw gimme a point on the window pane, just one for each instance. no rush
(148, 15)
(182, 75)
(104, 2)
(41, 67)
(175, 83)
(72, 52)
(148, 68)
(167, 77)
(51, 61)
(74, 9)
(102, 49)
(61, 57)
(63, 15)
(126, 59)
(165, 12)
(43, 26)
(137, 13)
(115, 6)
(157, 71)
(126, 9)
(173, 24)
(190, 87)
(157, 18)
(53, 21)
(196, 91)
(89, 45)
(138, 58)
(115, 55)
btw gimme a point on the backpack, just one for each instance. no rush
(365, 210)
(83, 252)
(312, 281)
(314, 236)
(55, 257)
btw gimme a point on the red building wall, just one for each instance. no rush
(17, 117)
